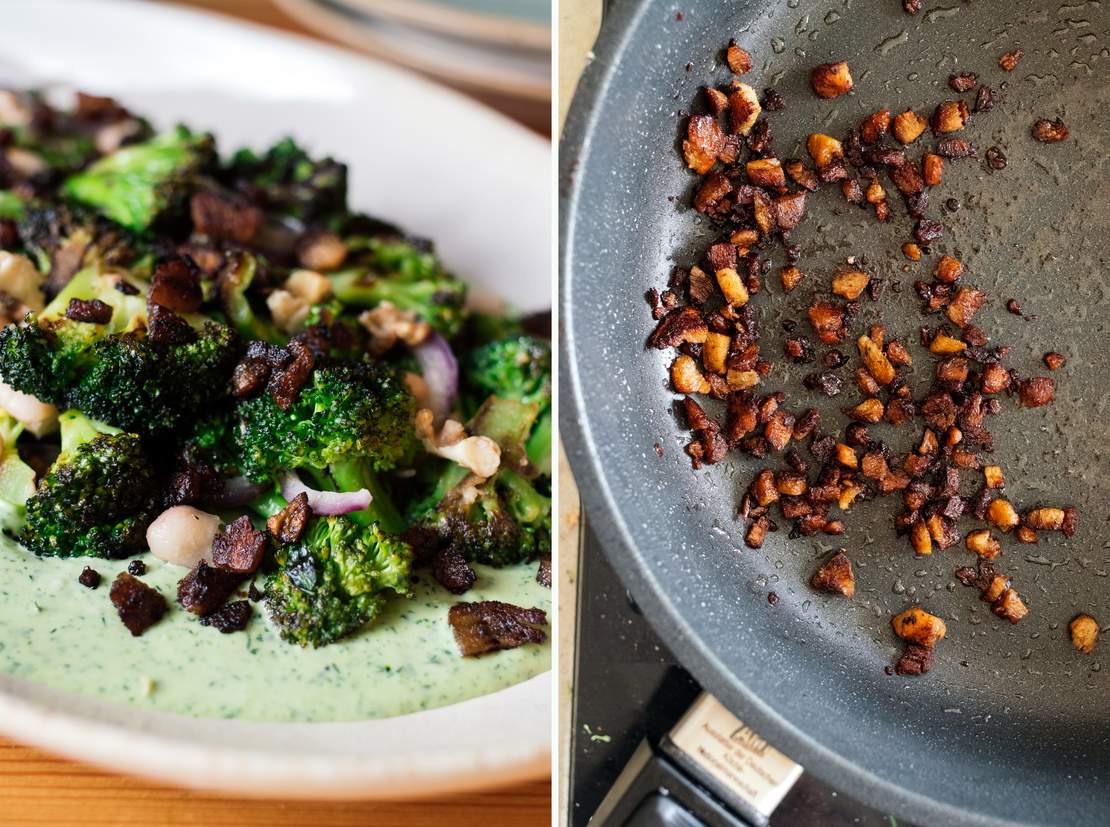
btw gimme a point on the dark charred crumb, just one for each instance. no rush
(683, 324)
(827, 383)
(833, 359)
(1037, 391)
(1009, 60)
(240, 546)
(995, 158)
(205, 588)
(679, 16)
(658, 449)
(166, 327)
(984, 99)
(175, 285)
(89, 578)
(1054, 360)
(233, 617)
(136, 568)
(713, 446)
(912, 6)
(451, 570)
(93, 311)
(962, 82)
(286, 382)
(952, 204)
(926, 231)
(772, 598)
(543, 573)
(835, 576)
(138, 605)
(916, 660)
(225, 217)
(288, 525)
(249, 376)
(955, 148)
(773, 101)
(254, 593)
(1049, 132)
(491, 625)
(1013, 306)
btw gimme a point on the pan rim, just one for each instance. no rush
(621, 18)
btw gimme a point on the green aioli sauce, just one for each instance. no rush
(58, 633)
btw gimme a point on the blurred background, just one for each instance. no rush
(498, 51)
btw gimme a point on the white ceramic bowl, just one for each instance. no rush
(419, 155)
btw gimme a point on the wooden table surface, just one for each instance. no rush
(37, 788)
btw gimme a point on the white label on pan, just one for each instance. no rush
(734, 754)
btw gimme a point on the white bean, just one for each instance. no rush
(182, 535)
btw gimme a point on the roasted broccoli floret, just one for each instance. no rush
(349, 422)
(143, 183)
(98, 498)
(405, 274)
(335, 580)
(142, 386)
(47, 356)
(287, 181)
(500, 521)
(518, 367)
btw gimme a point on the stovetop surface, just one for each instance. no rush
(627, 685)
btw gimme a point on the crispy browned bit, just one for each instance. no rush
(912, 6)
(139, 606)
(993, 477)
(866, 382)
(802, 175)
(166, 327)
(869, 410)
(949, 116)
(920, 539)
(926, 231)
(773, 100)
(321, 250)
(704, 143)
(223, 217)
(995, 378)
(876, 362)
(1049, 132)
(962, 82)
(249, 376)
(739, 379)
(1009, 606)
(908, 126)
(835, 576)
(1053, 519)
(710, 446)
(911, 251)
(89, 578)
(743, 108)
(824, 149)
(683, 324)
(964, 305)
(744, 238)
(233, 617)
(849, 284)
(757, 532)
(932, 169)
(1024, 534)
(732, 287)
(205, 588)
(983, 543)
(790, 276)
(1001, 514)
(738, 59)
(718, 100)
(1053, 360)
(789, 210)
(1037, 391)
(791, 484)
(175, 285)
(712, 193)
(286, 382)
(491, 625)
(766, 172)
(288, 525)
(763, 488)
(1013, 306)
(1009, 60)
(543, 573)
(916, 660)
(827, 320)
(93, 311)
(944, 344)
(240, 546)
(984, 99)
(995, 158)
(714, 352)
(875, 126)
(830, 80)
(1084, 633)
(918, 626)
(451, 570)
(955, 148)
(948, 270)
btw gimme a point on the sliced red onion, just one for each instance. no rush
(441, 373)
(236, 492)
(325, 503)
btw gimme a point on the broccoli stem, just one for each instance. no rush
(77, 429)
(269, 503)
(527, 504)
(538, 446)
(352, 475)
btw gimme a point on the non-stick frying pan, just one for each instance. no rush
(1012, 725)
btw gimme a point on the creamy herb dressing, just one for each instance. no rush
(63, 635)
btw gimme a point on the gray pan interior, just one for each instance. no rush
(1012, 724)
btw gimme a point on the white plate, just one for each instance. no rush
(419, 155)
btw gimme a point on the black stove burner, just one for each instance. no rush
(629, 687)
